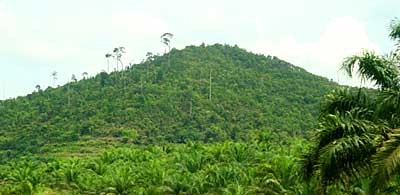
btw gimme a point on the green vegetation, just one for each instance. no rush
(357, 143)
(194, 168)
(207, 93)
(207, 120)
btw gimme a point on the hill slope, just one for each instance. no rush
(167, 98)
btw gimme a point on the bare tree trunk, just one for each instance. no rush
(116, 74)
(122, 72)
(117, 65)
(141, 85)
(108, 65)
(69, 95)
(169, 55)
(147, 74)
(209, 95)
(190, 107)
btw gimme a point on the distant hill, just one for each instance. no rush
(167, 99)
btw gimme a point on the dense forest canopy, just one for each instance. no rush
(200, 93)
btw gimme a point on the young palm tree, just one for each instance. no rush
(120, 181)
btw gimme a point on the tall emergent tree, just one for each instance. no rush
(149, 58)
(210, 83)
(166, 39)
(84, 75)
(38, 88)
(358, 135)
(108, 55)
(54, 75)
(73, 78)
(118, 52)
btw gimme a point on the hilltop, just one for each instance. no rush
(168, 99)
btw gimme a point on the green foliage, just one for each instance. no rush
(174, 169)
(152, 103)
(356, 147)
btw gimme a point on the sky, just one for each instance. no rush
(38, 37)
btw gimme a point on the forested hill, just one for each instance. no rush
(168, 98)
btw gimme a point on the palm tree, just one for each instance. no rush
(28, 176)
(70, 171)
(359, 129)
(342, 147)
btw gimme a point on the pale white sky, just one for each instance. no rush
(38, 37)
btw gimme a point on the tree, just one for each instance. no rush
(118, 52)
(358, 130)
(149, 58)
(108, 55)
(54, 75)
(210, 83)
(73, 78)
(84, 75)
(166, 39)
(37, 88)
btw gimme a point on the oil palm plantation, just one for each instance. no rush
(358, 134)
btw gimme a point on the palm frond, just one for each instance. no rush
(386, 161)
(345, 99)
(395, 29)
(355, 133)
(340, 125)
(308, 163)
(344, 157)
(389, 107)
(378, 69)
(344, 143)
